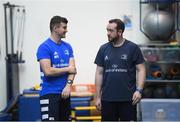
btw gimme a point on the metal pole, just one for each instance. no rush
(5, 20)
(11, 25)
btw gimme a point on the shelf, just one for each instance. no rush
(159, 45)
(161, 48)
(163, 62)
(161, 53)
(165, 81)
(158, 100)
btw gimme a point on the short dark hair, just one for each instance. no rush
(120, 24)
(57, 20)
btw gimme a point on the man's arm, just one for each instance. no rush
(67, 89)
(98, 84)
(71, 76)
(141, 74)
(51, 71)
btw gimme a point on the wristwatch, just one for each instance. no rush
(69, 81)
(140, 90)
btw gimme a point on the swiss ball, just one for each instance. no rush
(162, 4)
(159, 25)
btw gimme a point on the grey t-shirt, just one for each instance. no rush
(119, 63)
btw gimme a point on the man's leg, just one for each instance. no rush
(109, 111)
(50, 107)
(127, 111)
(65, 109)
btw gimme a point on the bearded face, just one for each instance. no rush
(112, 33)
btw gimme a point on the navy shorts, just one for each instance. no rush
(54, 108)
(115, 111)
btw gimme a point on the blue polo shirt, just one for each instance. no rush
(59, 55)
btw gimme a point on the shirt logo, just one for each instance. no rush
(124, 57)
(106, 58)
(56, 55)
(62, 61)
(51, 118)
(66, 52)
(114, 66)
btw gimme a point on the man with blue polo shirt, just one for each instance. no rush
(117, 88)
(57, 66)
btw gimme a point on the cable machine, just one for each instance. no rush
(14, 16)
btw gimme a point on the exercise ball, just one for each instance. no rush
(162, 4)
(155, 71)
(159, 25)
(171, 91)
(148, 92)
(150, 55)
(159, 93)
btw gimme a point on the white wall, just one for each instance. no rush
(2, 62)
(86, 32)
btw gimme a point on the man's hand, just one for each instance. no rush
(66, 91)
(98, 104)
(136, 97)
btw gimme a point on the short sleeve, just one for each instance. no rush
(137, 56)
(99, 60)
(43, 52)
(71, 55)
